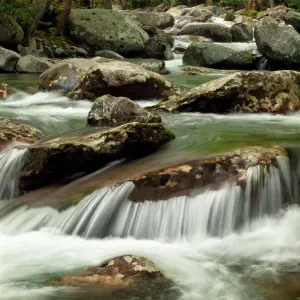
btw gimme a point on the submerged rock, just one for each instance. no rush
(121, 78)
(278, 42)
(11, 131)
(102, 29)
(123, 268)
(111, 111)
(59, 158)
(8, 60)
(187, 178)
(33, 64)
(3, 91)
(216, 32)
(248, 92)
(216, 56)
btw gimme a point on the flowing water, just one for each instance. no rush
(215, 245)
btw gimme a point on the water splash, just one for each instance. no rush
(109, 212)
(10, 164)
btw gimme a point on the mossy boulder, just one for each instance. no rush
(247, 92)
(115, 111)
(11, 33)
(59, 158)
(107, 30)
(121, 78)
(12, 131)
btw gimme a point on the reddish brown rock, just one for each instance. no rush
(188, 177)
(13, 131)
(3, 91)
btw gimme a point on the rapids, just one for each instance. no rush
(213, 245)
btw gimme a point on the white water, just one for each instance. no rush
(10, 163)
(203, 268)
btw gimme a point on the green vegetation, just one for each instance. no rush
(19, 9)
(237, 4)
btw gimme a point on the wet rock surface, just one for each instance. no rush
(248, 92)
(186, 178)
(112, 111)
(121, 78)
(59, 158)
(11, 131)
(3, 91)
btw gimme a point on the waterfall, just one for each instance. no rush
(10, 163)
(109, 212)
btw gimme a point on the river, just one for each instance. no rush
(204, 255)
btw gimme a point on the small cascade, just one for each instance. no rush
(10, 164)
(109, 212)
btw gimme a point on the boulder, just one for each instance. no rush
(188, 177)
(216, 56)
(11, 33)
(216, 32)
(293, 18)
(115, 111)
(153, 19)
(59, 158)
(8, 60)
(242, 32)
(278, 42)
(200, 13)
(159, 44)
(11, 131)
(66, 74)
(3, 91)
(121, 78)
(107, 30)
(33, 64)
(247, 92)
(114, 271)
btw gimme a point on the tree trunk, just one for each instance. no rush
(63, 19)
(271, 3)
(209, 2)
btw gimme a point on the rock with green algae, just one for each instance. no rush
(59, 158)
(245, 92)
(187, 178)
(12, 131)
(122, 78)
